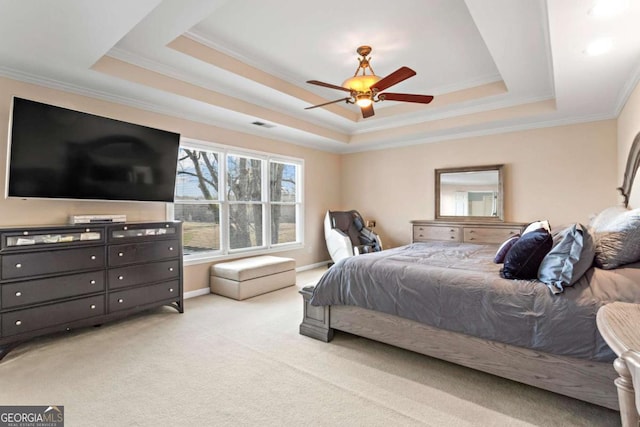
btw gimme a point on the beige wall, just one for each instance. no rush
(563, 174)
(321, 173)
(628, 128)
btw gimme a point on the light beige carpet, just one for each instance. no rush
(235, 363)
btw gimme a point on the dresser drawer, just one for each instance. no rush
(488, 235)
(143, 252)
(143, 295)
(31, 319)
(61, 261)
(146, 273)
(423, 233)
(36, 291)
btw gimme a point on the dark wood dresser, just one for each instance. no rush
(60, 278)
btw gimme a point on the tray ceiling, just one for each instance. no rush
(492, 65)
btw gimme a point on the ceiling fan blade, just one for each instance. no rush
(329, 85)
(367, 111)
(327, 103)
(402, 73)
(421, 99)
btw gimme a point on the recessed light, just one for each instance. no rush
(599, 46)
(608, 8)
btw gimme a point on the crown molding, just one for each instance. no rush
(169, 71)
(152, 107)
(428, 116)
(417, 140)
(199, 37)
(627, 90)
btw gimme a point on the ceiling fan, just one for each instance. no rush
(365, 89)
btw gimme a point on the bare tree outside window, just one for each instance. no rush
(199, 206)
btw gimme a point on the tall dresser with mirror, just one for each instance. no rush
(469, 208)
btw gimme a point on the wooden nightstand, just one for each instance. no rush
(619, 325)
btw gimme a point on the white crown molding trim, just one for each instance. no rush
(155, 66)
(547, 42)
(627, 90)
(152, 107)
(298, 80)
(417, 140)
(199, 37)
(467, 84)
(427, 116)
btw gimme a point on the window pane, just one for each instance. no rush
(197, 176)
(245, 226)
(283, 224)
(200, 227)
(244, 179)
(282, 183)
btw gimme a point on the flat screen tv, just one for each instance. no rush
(65, 154)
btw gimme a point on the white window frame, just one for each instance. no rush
(266, 158)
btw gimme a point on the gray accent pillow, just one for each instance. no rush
(616, 234)
(571, 256)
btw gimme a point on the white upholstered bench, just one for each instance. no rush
(248, 277)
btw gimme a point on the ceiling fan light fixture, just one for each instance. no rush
(363, 100)
(361, 83)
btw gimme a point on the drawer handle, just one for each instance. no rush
(512, 232)
(18, 322)
(166, 226)
(18, 294)
(471, 231)
(472, 238)
(170, 289)
(170, 248)
(93, 306)
(120, 277)
(170, 268)
(421, 235)
(124, 228)
(87, 230)
(25, 233)
(93, 257)
(92, 282)
(452, 237)
(18, 265)
(120, 254)
(452, 230)
(120, 301)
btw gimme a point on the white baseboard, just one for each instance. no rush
(197, 293)
(312, 266)
(206, 291)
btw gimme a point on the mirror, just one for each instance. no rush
(469, 193)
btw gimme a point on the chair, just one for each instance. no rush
(632, 361)
(347, 236)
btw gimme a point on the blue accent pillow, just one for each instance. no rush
(571, 256)
(524, 257)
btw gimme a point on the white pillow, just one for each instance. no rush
(537, 225)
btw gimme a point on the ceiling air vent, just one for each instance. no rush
(263, 124)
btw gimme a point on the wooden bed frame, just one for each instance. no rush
(578, 378)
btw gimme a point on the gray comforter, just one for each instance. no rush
(457, 287)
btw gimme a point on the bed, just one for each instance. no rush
(447, 300)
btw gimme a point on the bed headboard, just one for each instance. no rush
(633, 160)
